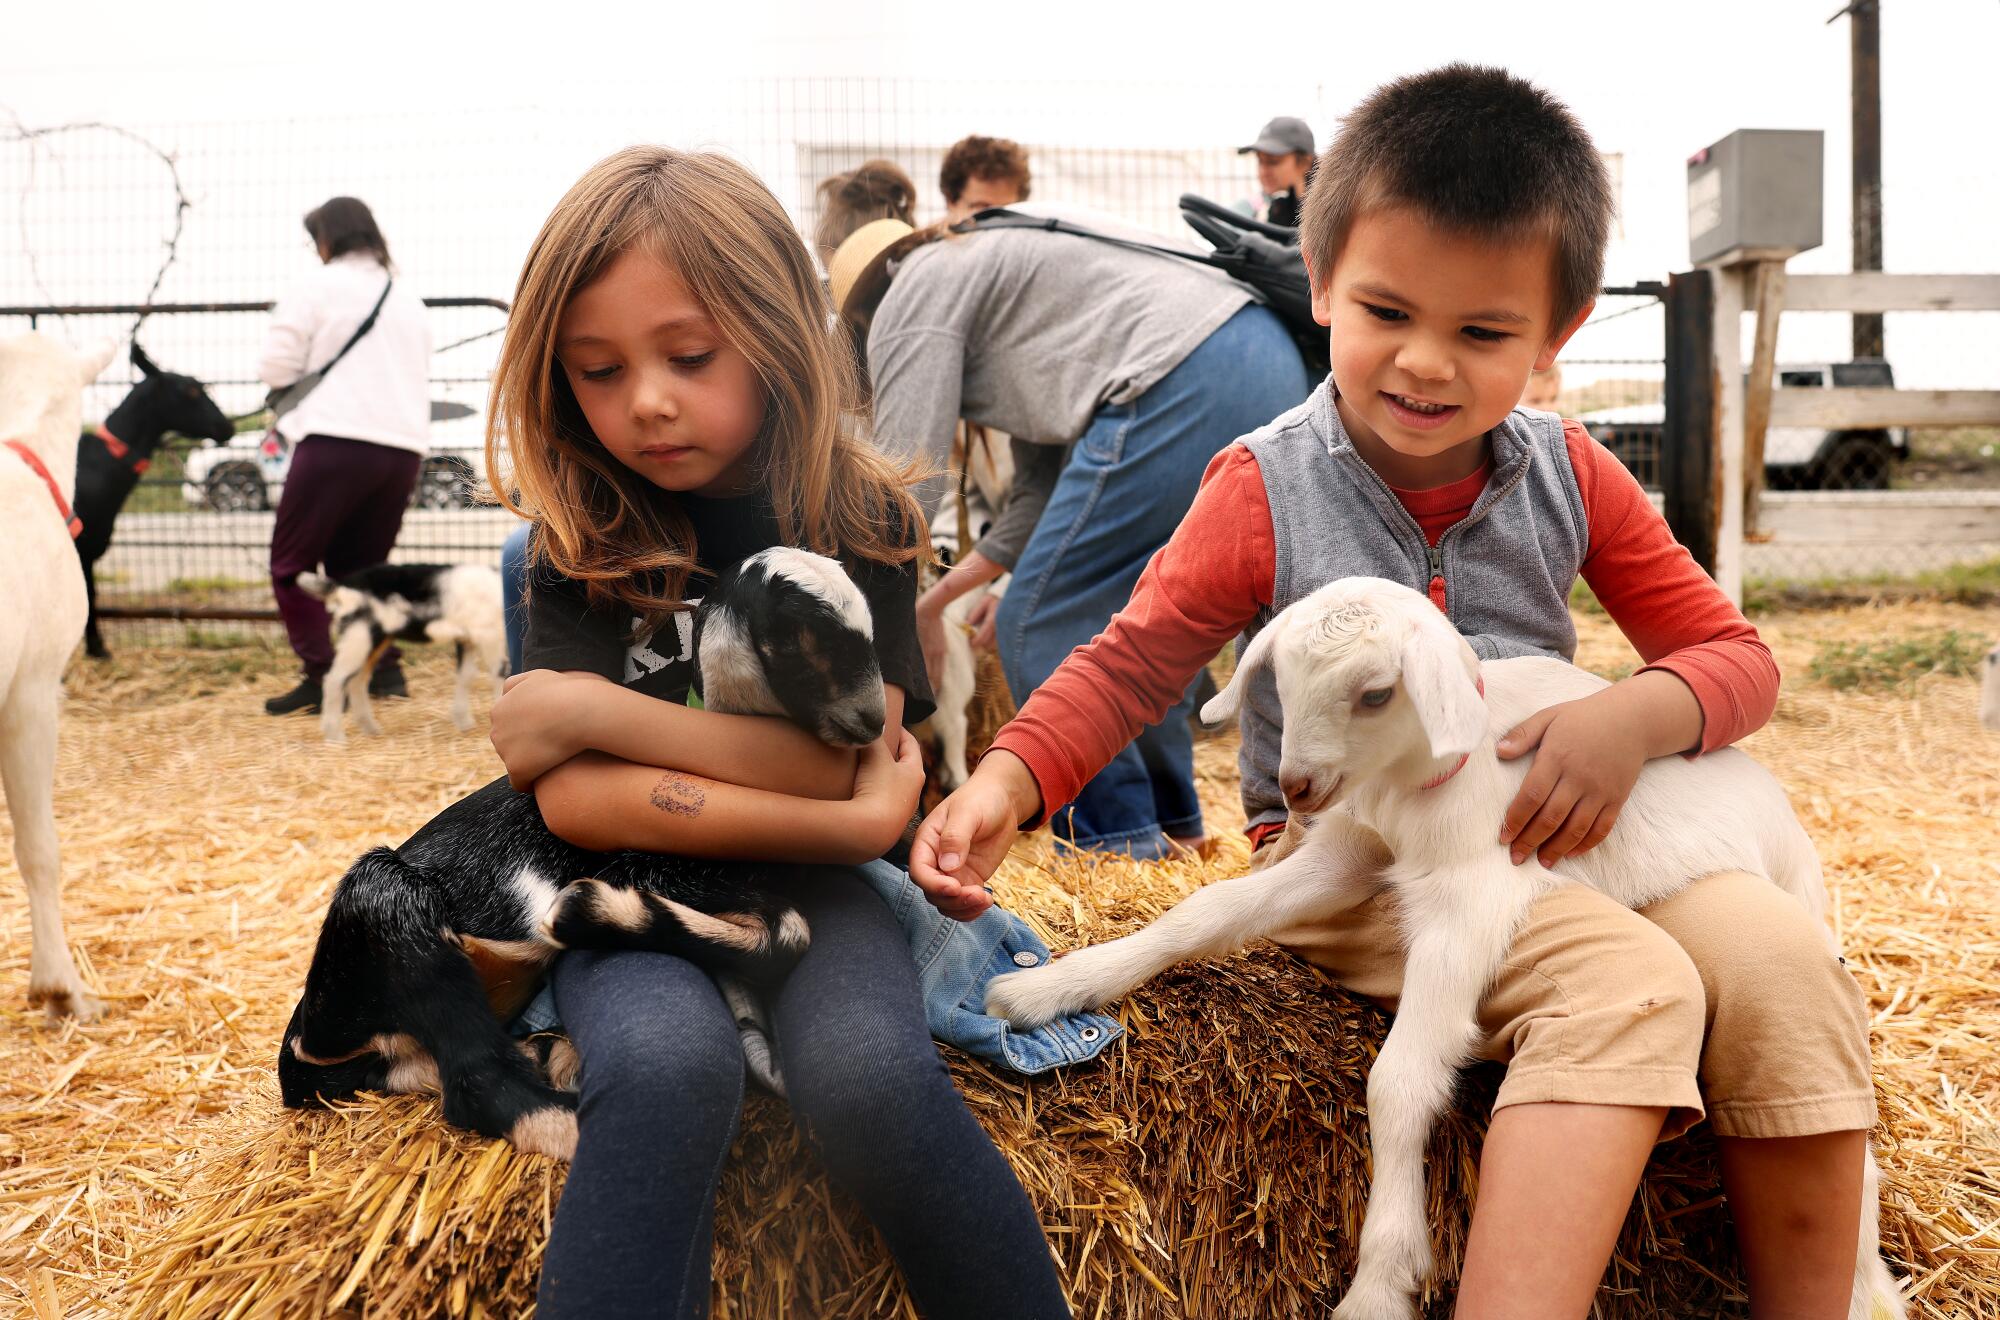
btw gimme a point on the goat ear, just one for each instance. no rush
(1446, 696)
(1255, 657)
(93, 360)
(142, 362)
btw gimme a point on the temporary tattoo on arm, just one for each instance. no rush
(680, 794)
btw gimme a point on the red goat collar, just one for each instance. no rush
(1433, 783)
(28, 456)
(119, 450)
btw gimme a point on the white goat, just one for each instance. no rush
(41, 581)
(985, 459)
(1388, 742)
(1989, 692)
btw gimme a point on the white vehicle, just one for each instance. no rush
(248, 473)
(1795, 457)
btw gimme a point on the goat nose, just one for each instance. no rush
(1298, 790)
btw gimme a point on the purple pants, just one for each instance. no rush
(342, 507)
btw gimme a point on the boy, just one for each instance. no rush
(1455, 235)
(982, 172)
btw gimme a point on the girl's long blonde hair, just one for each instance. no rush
(716, 225)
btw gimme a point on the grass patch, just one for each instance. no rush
(1960, 584)
(201, 586)
(1899, 664)
(1582, 600)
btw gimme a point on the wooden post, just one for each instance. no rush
(1727, 366)
(1687, 440)
(1767, 280)
(1864, 30)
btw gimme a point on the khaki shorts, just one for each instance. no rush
(1723, 995)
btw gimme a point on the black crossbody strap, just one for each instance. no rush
(361, 329)
(1232, 264)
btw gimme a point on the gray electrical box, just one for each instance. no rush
(1756, 195)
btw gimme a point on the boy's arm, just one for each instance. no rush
(604, 804)
(1202, 589)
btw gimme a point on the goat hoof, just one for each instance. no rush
(1028, 999)
(1370, 1303)
(550, 1131)
(58, 1003)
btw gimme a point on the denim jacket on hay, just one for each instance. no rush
(955, 960)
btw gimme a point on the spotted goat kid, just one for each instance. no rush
(429, 947)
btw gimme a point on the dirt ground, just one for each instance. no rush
(201, 839)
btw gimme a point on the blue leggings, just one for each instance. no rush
(662, 1087)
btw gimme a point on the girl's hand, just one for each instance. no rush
(1586, 762)
(888, 780)
(930, 636)
(962, 843)
(535, 724)
(982, 619)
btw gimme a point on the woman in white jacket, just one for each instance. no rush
(358, 438)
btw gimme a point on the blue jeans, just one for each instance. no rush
(661, 1087)
(514, 592)
(1127, 485)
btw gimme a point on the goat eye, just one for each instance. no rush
(1377, 696)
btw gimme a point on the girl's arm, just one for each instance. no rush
(546, 717)
(603, 804)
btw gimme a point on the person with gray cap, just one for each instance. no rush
(1284, 166)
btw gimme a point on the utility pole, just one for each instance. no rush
(1865, 94)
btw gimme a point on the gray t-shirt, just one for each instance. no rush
(1030, 333)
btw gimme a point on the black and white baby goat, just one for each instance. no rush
(389, 603)
(427, 948)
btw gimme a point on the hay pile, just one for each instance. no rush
(1211, 1166)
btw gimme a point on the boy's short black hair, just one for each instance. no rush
(1474, 150)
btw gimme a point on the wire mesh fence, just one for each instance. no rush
(210, 212)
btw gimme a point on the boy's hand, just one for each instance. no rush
(535, 722)
(888, 780)
(961, 844)
(1586, 762)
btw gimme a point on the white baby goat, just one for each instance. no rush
(41, 581)
(1388, 742)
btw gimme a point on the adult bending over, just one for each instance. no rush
(1118, 374)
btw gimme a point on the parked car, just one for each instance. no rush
(248, 473)
(1795, 457)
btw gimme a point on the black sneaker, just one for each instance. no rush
(387, 685)
(304, 697)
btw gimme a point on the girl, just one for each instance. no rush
(670, 399)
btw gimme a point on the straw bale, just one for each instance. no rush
(1212, 1165)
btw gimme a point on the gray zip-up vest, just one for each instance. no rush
(1505, 569)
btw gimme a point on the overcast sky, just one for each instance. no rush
(1652, 84)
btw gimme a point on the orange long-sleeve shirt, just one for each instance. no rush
(1207, 584)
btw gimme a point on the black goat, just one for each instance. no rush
(428, 947)
(111, 459)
